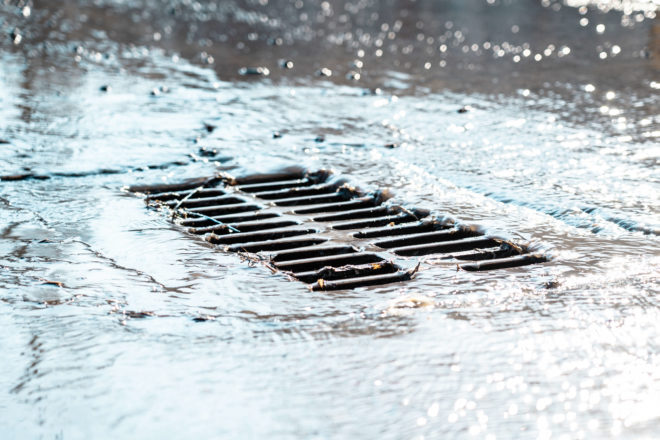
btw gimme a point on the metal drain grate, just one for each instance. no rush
(321, 231)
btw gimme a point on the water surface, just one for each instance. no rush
(115, 323)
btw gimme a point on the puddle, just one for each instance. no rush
(536, 122)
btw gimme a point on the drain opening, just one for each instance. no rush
(314, 227)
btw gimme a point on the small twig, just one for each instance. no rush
(217, 222)
(192, 193)
(411, 273)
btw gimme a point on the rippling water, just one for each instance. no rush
(115, 323)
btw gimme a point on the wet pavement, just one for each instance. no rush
(537, 121)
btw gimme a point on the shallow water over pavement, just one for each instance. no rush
(117, 323)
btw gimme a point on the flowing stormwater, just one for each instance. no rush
(536, 121)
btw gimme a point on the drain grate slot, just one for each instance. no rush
(250, 237)
(362, 202)
(379, 221)
(242, 227)
(313, 253)
(315, 200)
(206, 201)
(448, 246)
(355, 214)
(194, 194)
(324, 245)
(290, 193)
(400, 230)
(334, 261)
(428, 237)
(212, 211)
(223, 219)
(263, 187)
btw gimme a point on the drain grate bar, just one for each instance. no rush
(502, 263)
(329, 273)
(503, 251)
(427, 237)
(324, 233)
(174, 187)
(352, 283)
(257, 179)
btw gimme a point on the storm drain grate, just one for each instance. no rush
(318, 229)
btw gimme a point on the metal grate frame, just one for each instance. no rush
(320, 230)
